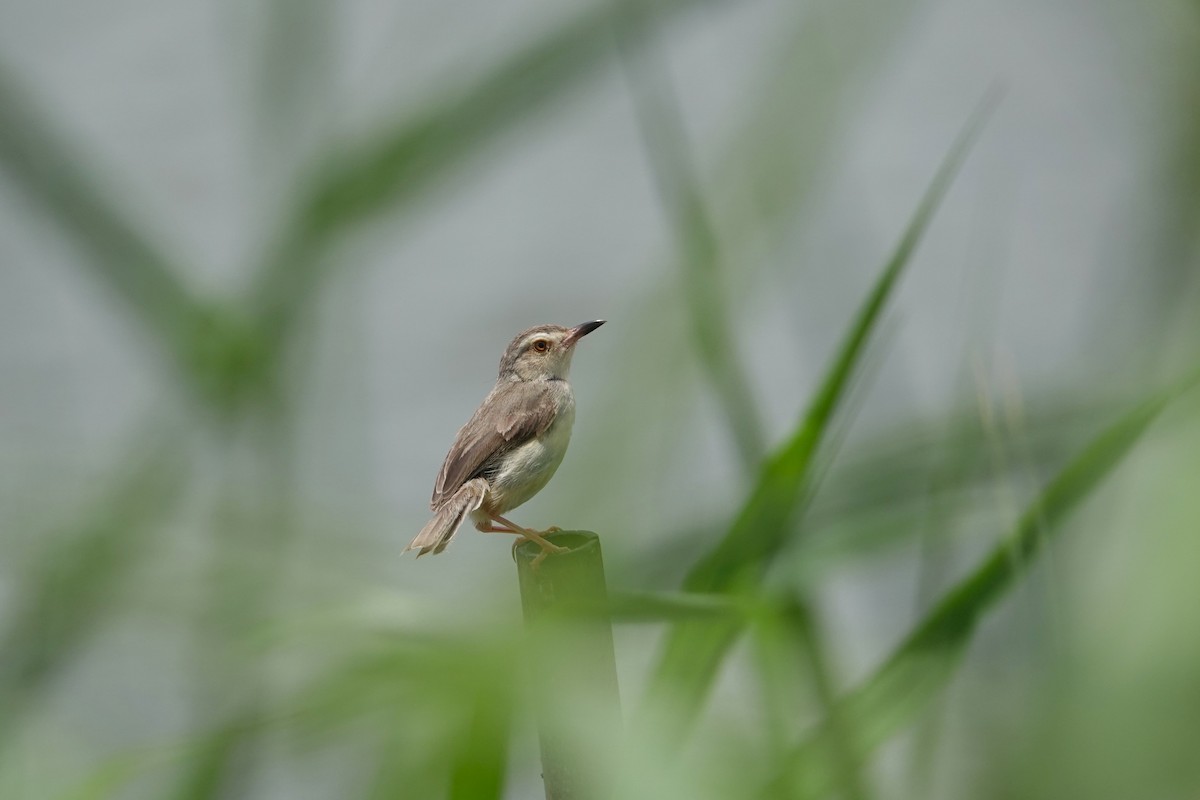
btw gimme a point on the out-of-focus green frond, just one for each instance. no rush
(694, 651)
(402, 162)
(111, 777)
(799, 106)
(923, 664)
(52, 175)
(481, 761)
(669, 606)
(295, 64)
(669, 153)
(65, 597)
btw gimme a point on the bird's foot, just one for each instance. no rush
(553, 548)
(526, 535)
(547, 547)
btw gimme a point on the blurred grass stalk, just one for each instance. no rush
(669, 155)
(694, 652)
(927, 659)
(67, 596)
(403, 162)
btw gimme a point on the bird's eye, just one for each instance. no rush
(541, 345)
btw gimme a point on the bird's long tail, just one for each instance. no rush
(438, 532)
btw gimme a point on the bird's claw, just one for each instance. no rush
(547, 549)
(537, 561)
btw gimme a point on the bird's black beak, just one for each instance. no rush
(581, 330)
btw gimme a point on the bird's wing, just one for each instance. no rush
(512, 413)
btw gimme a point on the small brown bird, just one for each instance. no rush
(512, 445)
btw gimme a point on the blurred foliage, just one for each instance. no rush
(694, 653)
(291, 690)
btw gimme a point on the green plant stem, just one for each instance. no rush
(694, 651)
(573, 657)
(925, 661)
(669, 153)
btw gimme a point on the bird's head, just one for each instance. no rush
(543, 352)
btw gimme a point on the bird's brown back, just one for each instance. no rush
(511, 414)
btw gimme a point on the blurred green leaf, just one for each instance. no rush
(694, 651)
(788, 135)
(480, 765)
(111, 777)
(899, 462)
(769, 167)
(66, 596)
(213, 350)
(436, 703)
(796, 118)
(625, 606)
(877, 494)
(761, 527)
(789, 622)
(924, 477)
(53, 176)
(924, 663)
(404, 670)
(402, 162)
(296, 68)
(208, 770)
(402, 770)
(669, 153)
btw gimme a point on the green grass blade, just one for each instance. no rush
(924, 663)
(111, 778)
(401, 163)
(795, 125)
(480, 764)
(669, 153)
(207, 771)
(760, 180)
(668, 606)
(53, 177)
(69, 591)
(762, 525)
(694, 650)
(295, 69)
(797, 626)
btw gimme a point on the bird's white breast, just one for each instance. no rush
(526, 469)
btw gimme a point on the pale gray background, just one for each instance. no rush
(1036, 268)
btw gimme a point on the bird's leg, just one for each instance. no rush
(511, 527)
(532, 535)
(488, 527)
(528, 535)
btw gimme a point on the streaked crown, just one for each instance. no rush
(543, 352)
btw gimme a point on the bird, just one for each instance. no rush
(512, 445)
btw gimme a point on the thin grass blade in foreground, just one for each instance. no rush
(630, 607)
(207, 771)
(694, 650)
(926, 661)
(797, 617)
(111, 778)
(481, 762)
